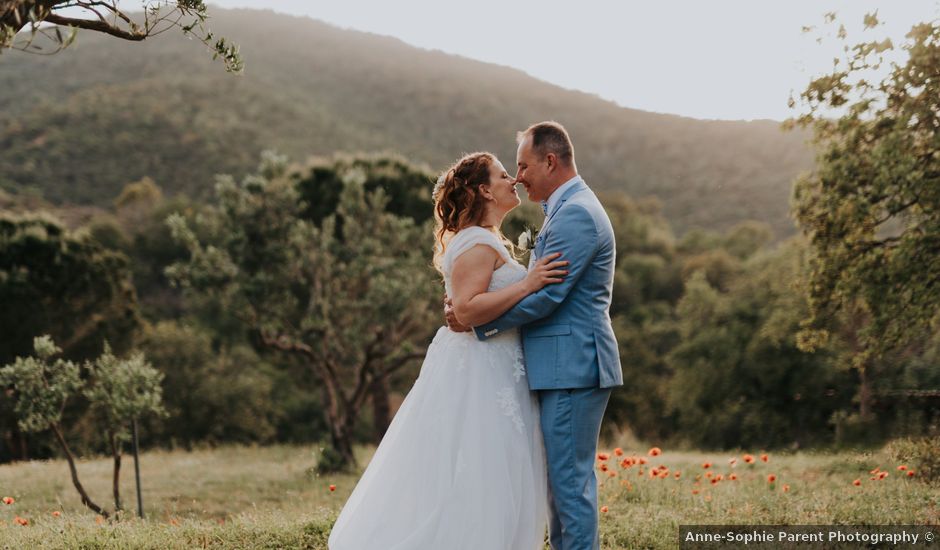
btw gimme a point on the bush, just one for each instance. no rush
(921, 454)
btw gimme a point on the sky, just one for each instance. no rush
(716, 59)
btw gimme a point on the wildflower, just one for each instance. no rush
(21, 521)
(655, 451)
(910, 473)
(902, 467)
(732, 477)
(786, 487)
(618, 451)
(642, 460)
(733, 461)
(677, 474)
(771, 478)
(694, 491)
(714, 481)
(612, 474)
(603, 466)
(604, 509)
(749, 459)
(875, 471)
(332, 488)
(8, 500)
(764, 458)
(625, 463)
(706, 465)
(857, 482)
(56, 514)
(709, 475)
(602, 456)
(882, 475)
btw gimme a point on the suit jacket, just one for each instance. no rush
(566, 331)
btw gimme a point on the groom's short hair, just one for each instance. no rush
(549, 137)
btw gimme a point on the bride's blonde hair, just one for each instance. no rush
(458, 203)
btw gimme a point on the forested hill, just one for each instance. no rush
(78, 125)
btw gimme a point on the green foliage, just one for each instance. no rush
(921, 454)
(870, 209)
(61, 125)
(351, 305)
(212, 396)
(189, 16)
(331, 461)
(64, 284)
(739, 378)
(406, 186)
(124, 390)
(42, 385)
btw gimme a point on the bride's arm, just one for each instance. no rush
(470, 279)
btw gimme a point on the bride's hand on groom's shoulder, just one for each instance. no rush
(451, 319)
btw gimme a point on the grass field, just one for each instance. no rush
(267, 497)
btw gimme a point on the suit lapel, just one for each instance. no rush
(540, 241)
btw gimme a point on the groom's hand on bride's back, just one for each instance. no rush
(451, 319)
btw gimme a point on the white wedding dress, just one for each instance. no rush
(462, 465)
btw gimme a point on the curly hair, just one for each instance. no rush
(458, 203)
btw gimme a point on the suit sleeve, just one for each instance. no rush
(575, 236)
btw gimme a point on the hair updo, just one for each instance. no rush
(458, 203)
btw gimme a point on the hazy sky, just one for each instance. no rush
(727, 59)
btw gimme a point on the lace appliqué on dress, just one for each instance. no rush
(518, 364)
(507, 401)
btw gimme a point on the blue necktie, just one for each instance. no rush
(544, 207)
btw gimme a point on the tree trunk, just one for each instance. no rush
(340, 429)
(381, 407)
(864, 394)
(116, 453)
(74, 471)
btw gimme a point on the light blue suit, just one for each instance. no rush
(571, 356)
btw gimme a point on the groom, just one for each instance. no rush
(571, 354)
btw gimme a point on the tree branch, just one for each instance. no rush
(98, 26)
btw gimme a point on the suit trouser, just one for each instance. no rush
(571, 423)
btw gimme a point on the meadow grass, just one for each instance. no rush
(268, 497)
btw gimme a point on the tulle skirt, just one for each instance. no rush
(462, 465)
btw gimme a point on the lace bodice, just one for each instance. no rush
(508, 273)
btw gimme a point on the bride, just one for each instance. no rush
(462, 465)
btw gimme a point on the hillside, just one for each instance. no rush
(78, 125)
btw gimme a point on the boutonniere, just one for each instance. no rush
(527, 239)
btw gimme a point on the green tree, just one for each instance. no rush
(354, 308)
(62, 283)
(212, 394)
(107, 17)
(408, 189)
(871, 208)
(739, 378)
(122, 390)
(42, 387)
(56, 282)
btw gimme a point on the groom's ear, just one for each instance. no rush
(551, 161)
